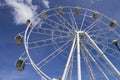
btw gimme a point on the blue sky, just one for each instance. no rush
(12, 21)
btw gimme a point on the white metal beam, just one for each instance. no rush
(74, 21)
(92, 58)
(78, 56)
(90, 70)
(102, 54)
(69, 60)
(71, 67)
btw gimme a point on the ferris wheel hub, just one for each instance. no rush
(81, 34)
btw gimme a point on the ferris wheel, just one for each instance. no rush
(71, 43)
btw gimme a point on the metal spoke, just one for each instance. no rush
(53, 56)
(99, 62)
(114, 51)
(53, 53)
(65, 73)
(74, 21)
(90, 70)
(109, 71)
(47, 42)
(48, 32)
(95, 62)
(56, 27)
(60, 24)
(83, 20)
(65, 21)
(103, 55)
(92, 25)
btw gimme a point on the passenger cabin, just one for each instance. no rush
(43, 14)
(113, 23)
(28, 23)
(95, 15)
(20, 65)
(60, 10)
(19, 39)
(78, 11)
(115, 42)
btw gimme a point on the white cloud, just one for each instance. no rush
(46, 3)
(23, 10)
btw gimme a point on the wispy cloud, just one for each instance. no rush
(46, 3)
(22, 10)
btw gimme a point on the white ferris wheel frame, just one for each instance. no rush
(76, 44)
